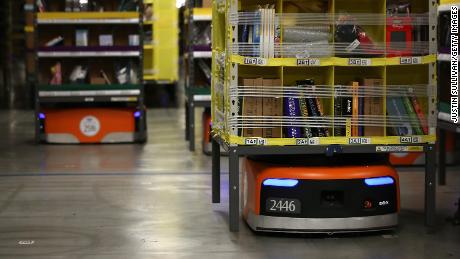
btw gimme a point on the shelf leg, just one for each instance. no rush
(215, 171)
(191, 118)
(442, 158)
(430, 187)
(233, 189)
(187, 119)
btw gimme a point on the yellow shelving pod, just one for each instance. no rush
(322, 77)
(161, 54)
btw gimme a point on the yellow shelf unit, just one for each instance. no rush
(161, 56)
(401, 75)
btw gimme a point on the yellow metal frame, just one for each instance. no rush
(334, 61)
(442, 2)
(162, 56)
(88, 15)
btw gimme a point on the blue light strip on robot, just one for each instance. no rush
(379, 181)
(280, 182)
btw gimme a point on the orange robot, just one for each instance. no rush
(320, 194)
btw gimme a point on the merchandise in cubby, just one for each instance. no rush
(89, 71)
(407, 100)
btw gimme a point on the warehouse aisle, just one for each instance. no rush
(153, 200)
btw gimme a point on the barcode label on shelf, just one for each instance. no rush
(255, 141)
(410, 60)
(313, 141)
(255, 61)
(388, 149)
(302, 142)
(410, 140)
(360, 141)
(308, 62)
(359, 61)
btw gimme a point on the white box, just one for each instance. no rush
(81, 38)
(106, 40)
(133, 40)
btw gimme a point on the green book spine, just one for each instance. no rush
(412, 115)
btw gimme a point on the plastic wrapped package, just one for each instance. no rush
(307, 50)
(306, 34)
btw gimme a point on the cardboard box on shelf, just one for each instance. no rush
(81, 38)
(106, 40)
(272, 107)
(97, 81)
(252, 106)
(373, 106)
(207, 3)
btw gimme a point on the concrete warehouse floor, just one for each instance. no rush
(154, 201)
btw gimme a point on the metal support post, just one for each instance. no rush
(234, 189)
(215, 171)
(430, 186)
(442, 157)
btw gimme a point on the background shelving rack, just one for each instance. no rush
(197, 93)
(161, 54)
(87, 95)
(229, 66)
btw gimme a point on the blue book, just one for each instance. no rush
(406, 129)
(395, 108)
(245, 34)
(292, 109)
(256, 34)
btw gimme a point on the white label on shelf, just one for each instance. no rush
(313, 141)
(90, 126)
(255, 61)
(251, 141)
(89, 99)
(308, 62)
(360, 141)
(411, 139)
(417, 139)
(262, 142)
(410, 60)
(405, 140)
(359, 61)
(302, 142)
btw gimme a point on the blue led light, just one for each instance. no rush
(41, 116)
(281, 182)
(137, 114)
(379, 181)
